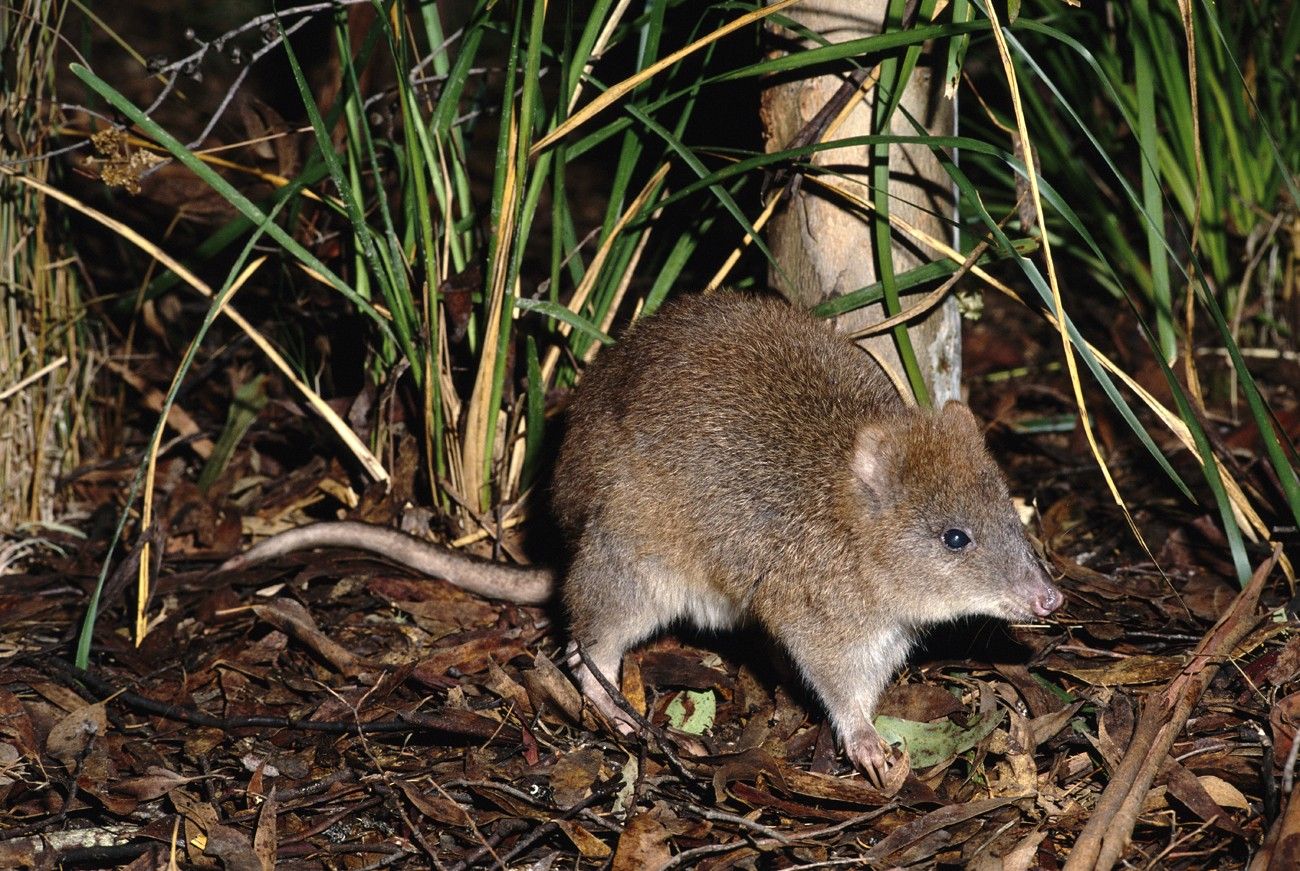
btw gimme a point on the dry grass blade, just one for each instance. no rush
(734, 257)
(31, 379)
(602, 42)
(1194, 93)
(476, 452)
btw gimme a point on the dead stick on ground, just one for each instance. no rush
(1164, 714)
(1278, 850)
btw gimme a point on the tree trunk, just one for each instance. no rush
(824, 248)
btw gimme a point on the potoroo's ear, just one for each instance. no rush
(958, 414)
(872, 461)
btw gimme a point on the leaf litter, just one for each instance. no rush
(329, 711)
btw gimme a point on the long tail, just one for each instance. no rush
(523, 586)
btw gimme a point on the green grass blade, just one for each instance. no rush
(556, 311)
(534, 415)
(1094, 366)
(248, 402)
(894, 74)
(1144, 81)
(916, 277)
(832, 55)
(346, 190)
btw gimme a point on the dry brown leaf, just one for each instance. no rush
(632, 684)
(511, 805)
(1284, 718)
(757, 798)
(588, 844)
(1207, 595)
(787, 779)
(231, 846)
(675, 667)
(573, 774)
(11, 766)
(1017, 772)
(1287, 664)
(194, 810)
(16, 725)
(1037, 698)
(546, 683)
(435, 807)
(1188, 789)
(1115, 728)
(1281, 848)
(469, 657)
(1140, 669)
(436, 606)
(58, 694)
(920, 703)
(932, 823)
(1022, 857)
(643, 844)
(155, 783)
(1223, 793)
(72, 736)
(509, 689)
(1050, 725)
(265, 838)
(254, 790)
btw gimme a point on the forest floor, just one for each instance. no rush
(329, 711)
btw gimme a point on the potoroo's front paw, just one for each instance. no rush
(884, 768)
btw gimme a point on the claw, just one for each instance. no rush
(884, 768)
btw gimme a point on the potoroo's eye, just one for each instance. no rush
(955, 539)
